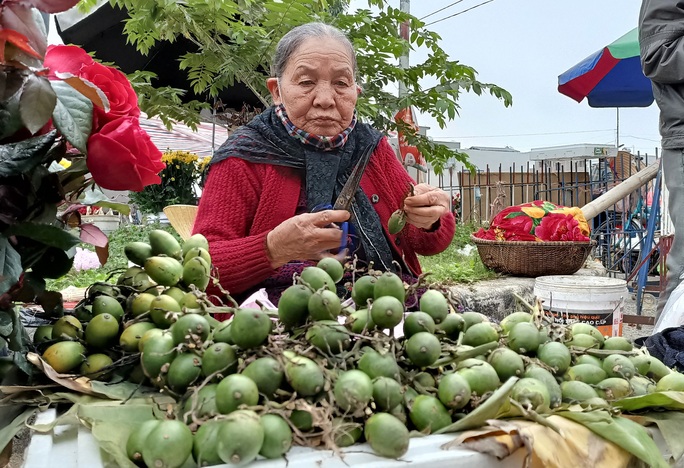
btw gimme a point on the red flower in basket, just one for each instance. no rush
(560, 227)
(516, 223)
(537, 221)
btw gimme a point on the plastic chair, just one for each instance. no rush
(182, 218)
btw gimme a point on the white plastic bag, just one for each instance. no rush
(262, 297)
(673, 312)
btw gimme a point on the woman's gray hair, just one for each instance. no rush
(291, 41)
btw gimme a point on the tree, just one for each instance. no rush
(236, 40)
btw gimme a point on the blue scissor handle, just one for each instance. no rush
(345, 235)
(344, 226)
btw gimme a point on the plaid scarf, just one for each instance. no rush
(321, 142)
(265, 140)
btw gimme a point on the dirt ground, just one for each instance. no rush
(19, 445)
(632, 332)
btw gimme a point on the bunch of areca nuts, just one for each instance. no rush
(319, 371)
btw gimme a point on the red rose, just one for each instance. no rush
(121, 156)
(72, 60)
(559, 227)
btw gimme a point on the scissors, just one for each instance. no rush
(346, 196)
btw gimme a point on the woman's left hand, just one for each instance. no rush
(427, 204)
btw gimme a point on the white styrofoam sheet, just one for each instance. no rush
(74, 446)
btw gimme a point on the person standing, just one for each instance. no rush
(661, 38)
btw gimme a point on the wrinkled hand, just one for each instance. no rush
(426, 206)
(308, 236)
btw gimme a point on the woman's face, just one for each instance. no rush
(317, 87)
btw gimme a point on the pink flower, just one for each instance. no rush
(85, 260)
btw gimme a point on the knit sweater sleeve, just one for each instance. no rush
(420, 241)
(228, 206)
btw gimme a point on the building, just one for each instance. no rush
(570, 175)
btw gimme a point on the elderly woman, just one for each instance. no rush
(258, 207)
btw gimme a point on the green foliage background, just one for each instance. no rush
(454, 265)
(117, 260)
(448, 267)
(236, 41)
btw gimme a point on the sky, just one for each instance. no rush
(522, 46)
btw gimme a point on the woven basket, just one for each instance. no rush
(181, 217)
(533, 258)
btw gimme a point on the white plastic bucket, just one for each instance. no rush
(595, 300)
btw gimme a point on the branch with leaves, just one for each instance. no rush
(236, 41)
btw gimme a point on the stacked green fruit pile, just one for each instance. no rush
(317, 373)
(110, 323)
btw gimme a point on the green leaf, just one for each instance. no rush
(11, 82)
(120, 207)
(516, 215)
(24, 156)
(72, 178)
(10, 121)
(670, 424)
(5, 323)
(119, 391)
(112, 437)
(10, 265)
(48, 235)
(22, 363)
(37, 102)
(111, 423)
(622, 432)
(34, 283)
(666, 400)
(73, 115)
(95, 196)
(496, 404)
(18, 340)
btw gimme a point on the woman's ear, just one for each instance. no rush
(272, 85)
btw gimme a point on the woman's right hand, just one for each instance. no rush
(308, 236)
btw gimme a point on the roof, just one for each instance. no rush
(183, 138)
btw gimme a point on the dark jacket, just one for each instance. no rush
(661, 38)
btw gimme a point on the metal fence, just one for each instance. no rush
(619, 231)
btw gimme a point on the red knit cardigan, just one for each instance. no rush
(242, 201)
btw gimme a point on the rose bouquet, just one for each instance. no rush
(68, 126)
